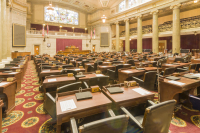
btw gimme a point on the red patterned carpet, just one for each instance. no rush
(29, 117)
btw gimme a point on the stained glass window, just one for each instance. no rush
(59, 15)
(132, 3)
(122, 5)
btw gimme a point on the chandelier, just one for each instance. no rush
(103, 18)
(50, 7)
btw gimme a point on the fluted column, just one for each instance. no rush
(127, 36)
(9, 35)
(0, 35)
(155, 37)
(117, 36)
(176, 28)
(139, 34)
(4, 27)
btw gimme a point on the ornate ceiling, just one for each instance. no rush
(85, 5)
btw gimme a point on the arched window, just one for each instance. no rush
(132, 3)
(60, 15)
(122, 5)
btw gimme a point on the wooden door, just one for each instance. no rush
(161, 46)
(93, 48)
(36, 49)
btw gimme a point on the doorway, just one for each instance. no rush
(162, 45)
(93, 48)
(36, 49)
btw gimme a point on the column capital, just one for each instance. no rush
(154, 12)
(138, 16)
(117, 22)
(176, 6)
(127, 19)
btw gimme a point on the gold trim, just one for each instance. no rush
(13, 38)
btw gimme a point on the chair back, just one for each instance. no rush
(157, 118)
(117, 68)
(169, 71)
(131, 61)
(19, 56)
(46, 67)
(67, 66)
(16, 59)
(192, 66)
(150, 76)
(83, 62)
(100, 81)
(69, 87)
(115, 124)
(179, 59)
(11, 65)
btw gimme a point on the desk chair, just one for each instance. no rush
(179, 59)
(10, 65)
(59, 63)
(19, 56)
(100, 81)
(191, 66)
(14, 62)
(46, 67)
(197, 67)
(131, 61)
(156, 118)
(116, 62)
(168, 71)
(50, 100)
(113, 124)
(114, 74)
(83, 62)
(67, 66)
(16, 59)
(148, 80)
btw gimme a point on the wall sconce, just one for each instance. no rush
(60, 27)
(73, 29)
(85, 30)
(43, 24)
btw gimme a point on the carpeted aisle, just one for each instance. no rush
(29, 117)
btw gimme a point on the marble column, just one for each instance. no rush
(155, 37)
(117, 36)
(139, 34)
(176, 28)
(9, 34)
(0, 35)
(127, 36)
(4, 28)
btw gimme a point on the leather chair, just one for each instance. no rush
(191, 66)
(10, 65)
(156, 118)
(114, 74)
(168, 71)
(113, 124)
(83, 62)
(59, 63)
(148, 80)
(67, 66)
(179, 59)
(100, 81)
(197, 67)
(19, 56)
(131, 61)
(46, 67)
(16, 59)
(50, 99)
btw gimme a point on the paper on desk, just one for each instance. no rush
(196, 75)
(77, 69)
(51, 80)
(2, 84)
(176, 82)
(13, 73)
(127, 71)
(67, 105)
(46, 70)
(141, 91)
(99, 75)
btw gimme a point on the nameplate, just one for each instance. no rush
(10, 79)
(18, 70)
(95, 88)
(52, 80)
(70, 74)
(176, 82)
(2, 84)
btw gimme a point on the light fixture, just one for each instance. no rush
(72, 27)
(50, 7)
(85, 28)
(61, 26)
(195, 1)
(130, 39)
(43, 24)
(103, 18)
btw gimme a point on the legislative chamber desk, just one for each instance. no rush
(9, 89)
(112, 67)
(170, 91)
(60, 81)
(14, 69)
(129, 97)
(17, 75)
(15, 54)
(176, 65)
(98, 104)
(88, 76)
(125, 74)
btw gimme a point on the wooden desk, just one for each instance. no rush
(127, 73)
(195, 61)
(9, 89)
(129, 97)
(17, 75)
(179, 65)
(168, 90)
(1, 105)
(60, 81)
(14, 70)
(88, 76)
(112, 67)
(144, 63)
(98, 104)
(48, 72)
(15, 54)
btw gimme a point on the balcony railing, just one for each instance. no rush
(58, 33)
